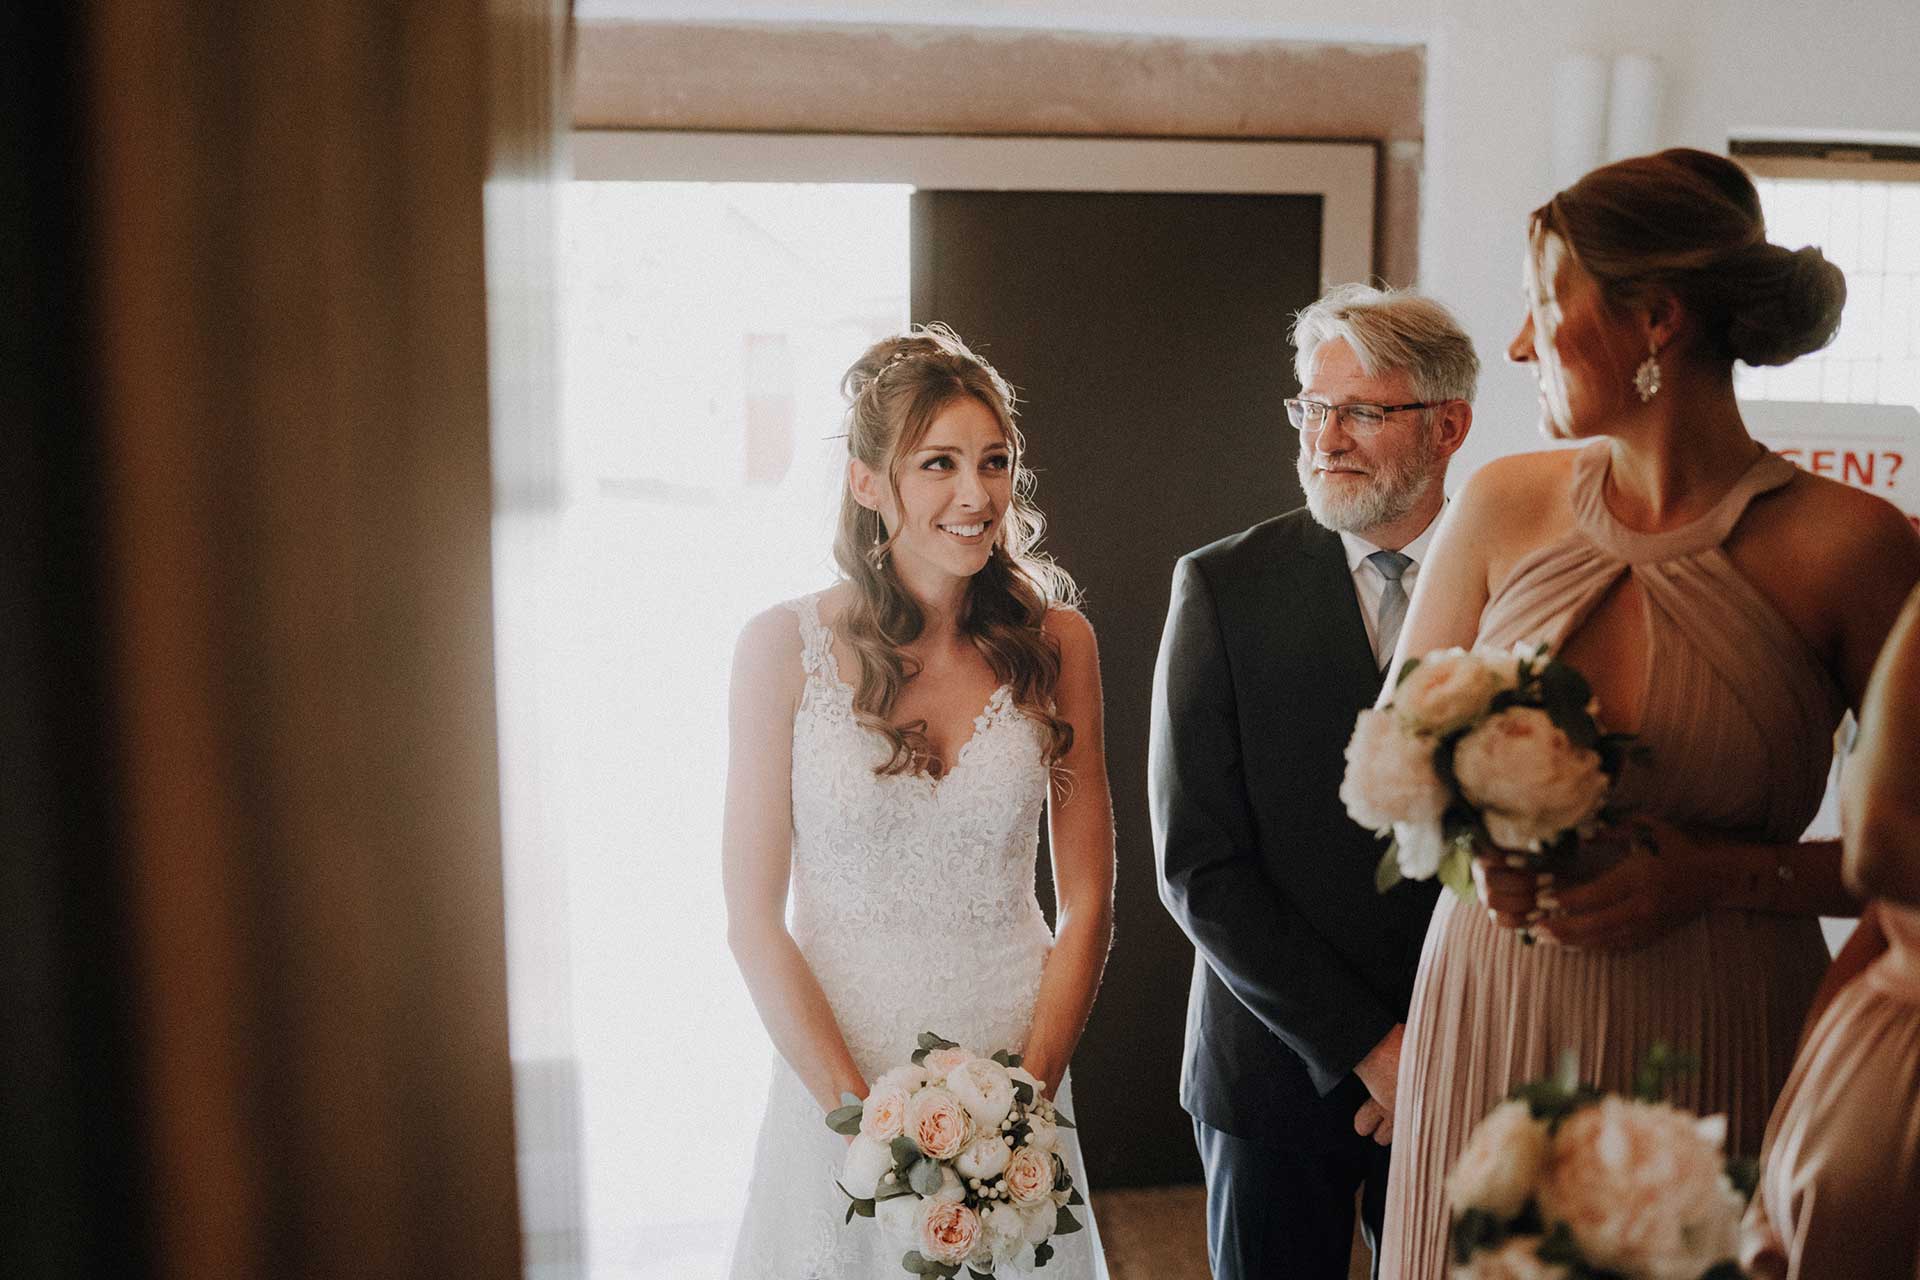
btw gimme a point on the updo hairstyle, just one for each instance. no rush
(1690, 222)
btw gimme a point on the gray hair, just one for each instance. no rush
(1391, 330)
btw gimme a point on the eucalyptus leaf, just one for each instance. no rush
(1014, 1059)
(1472, 1230)
(1386, 873)
(925, 1177)
(1064, 1223)
(1061, 1121)
(1074, 1197)
(1042, 1253)
(1023, 1093)
(930, 1041)
(904, 1151)
(1456, 871)
(1000, 1056)
(845, 1120)
(1407, 668)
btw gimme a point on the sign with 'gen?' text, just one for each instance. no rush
(1875, 447)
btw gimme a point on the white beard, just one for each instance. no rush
(1395, 488)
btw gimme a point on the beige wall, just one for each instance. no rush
(925, 79)
(1480, 146)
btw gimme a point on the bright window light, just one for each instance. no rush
(705, 329)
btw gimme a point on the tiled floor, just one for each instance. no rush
(1160, 1233)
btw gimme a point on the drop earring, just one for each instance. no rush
(1646, 379)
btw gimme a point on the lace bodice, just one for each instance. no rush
(941, 870)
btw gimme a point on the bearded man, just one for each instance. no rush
(1276, 638)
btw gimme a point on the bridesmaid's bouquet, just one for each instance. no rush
(956, 1157)
(1562, 1182)
(1488, 745)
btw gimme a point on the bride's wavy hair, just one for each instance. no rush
(894, 391)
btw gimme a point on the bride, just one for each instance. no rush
(894, 740)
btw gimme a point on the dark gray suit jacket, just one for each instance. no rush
(1300, 967)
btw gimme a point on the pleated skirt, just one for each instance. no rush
(1730, 990)
(1840, 1181)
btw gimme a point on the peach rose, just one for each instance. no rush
(937, 1123)
(1029, 1176)
(1501, 1162)
(1529, 781)
(949, 1231)
(884, 1114)
(1514, 1260)
(1390, 775)
(1449, 690)
(1643, 1188)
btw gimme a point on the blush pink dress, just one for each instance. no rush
(1840, 1181)
(1738, 714)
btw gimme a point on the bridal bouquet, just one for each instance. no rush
(956, 1158)
(1490, 745)
(1563, 1182)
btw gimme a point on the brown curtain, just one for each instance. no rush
(267, 856)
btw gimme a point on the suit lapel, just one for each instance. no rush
(1329, 585)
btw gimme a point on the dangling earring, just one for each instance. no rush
(877, 552)
(1646, 379)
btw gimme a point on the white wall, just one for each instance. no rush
(1730, 66)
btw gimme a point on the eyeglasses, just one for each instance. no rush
(1361, 419)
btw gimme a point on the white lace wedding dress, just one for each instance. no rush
(913, 902)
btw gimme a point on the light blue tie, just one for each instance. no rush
(1393, 602)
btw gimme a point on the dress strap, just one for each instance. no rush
(1768, 472)
(816, 642)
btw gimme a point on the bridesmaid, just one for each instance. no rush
(1726, 606)
(1840, 1180)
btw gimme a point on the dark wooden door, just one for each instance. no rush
(1147, 337)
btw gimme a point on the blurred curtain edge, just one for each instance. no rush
(253, 898)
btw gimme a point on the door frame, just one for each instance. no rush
(1342, 174)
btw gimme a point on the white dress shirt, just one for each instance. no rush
(1369, 583)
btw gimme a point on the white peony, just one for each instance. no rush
(1419, 848)
(1004, 1233)
(1504, 664)
(1643, 1188)
(1036, 1220)
(908, 1078)
(1501, 1162)
(1449, 690)
(899, 1220)
(984, 1158)
(1529, 781)
(941, 1061)
(866, 1161)
(1514, 1260)
(1390, 775)
(1042, 1133)
(984, 1089)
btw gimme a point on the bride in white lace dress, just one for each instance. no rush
(895, 740)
